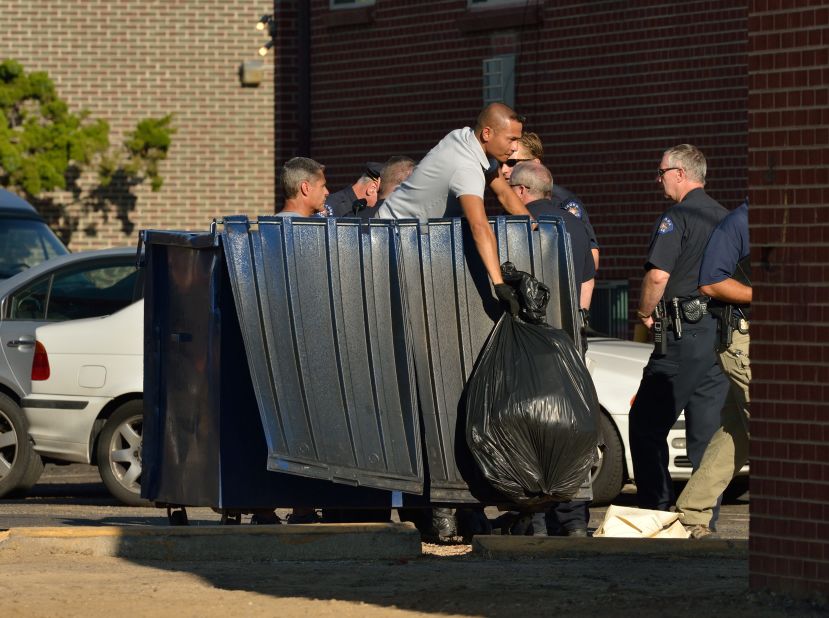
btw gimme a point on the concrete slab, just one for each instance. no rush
(392, 541)
(513, 547)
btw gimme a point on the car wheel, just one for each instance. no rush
(607, 473)
(119, 453)
(31, 475)
(18, 460)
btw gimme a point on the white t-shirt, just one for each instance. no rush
(456, 166)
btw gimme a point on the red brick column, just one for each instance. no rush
(789, 189)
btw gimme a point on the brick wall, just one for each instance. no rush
(125, 61)
(789, 178)
(607, 85)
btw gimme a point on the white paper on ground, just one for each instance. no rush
(630, 522)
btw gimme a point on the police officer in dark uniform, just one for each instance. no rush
(531, 181)
(362, 193)
(397, 169)
(567, 201)
(682, 372)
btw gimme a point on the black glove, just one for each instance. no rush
(509, 299)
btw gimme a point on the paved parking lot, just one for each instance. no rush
(73, 495)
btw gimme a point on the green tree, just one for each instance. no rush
(45, 148)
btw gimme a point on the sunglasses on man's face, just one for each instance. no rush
(514, 162)
(664, 170)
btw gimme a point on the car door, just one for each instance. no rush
(77, 290)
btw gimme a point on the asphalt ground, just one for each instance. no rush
(73, 495)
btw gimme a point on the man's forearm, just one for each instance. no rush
(488, 250)
(507, 197)
(473, 210)
(653, 287)
(586, 293)
(728, 291)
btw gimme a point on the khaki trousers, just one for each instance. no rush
(728, 450)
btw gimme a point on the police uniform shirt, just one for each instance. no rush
(457, 166)
(678, 241)
(726, 247)
(368, 212)
(567, 201)
(341, 203)
(583, 266)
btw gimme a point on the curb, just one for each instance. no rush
(513, 547)
(380, 541)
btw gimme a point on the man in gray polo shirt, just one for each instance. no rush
(450, 182)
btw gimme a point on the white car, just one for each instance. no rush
(616, 368)
(65, 287)
(86, 403)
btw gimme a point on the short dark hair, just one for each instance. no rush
(496, 111)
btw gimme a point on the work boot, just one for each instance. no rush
(472, 522)
(265, 517)
(304, 516)
(522, 525)
(699, 531)
(443, 525)
(576, 532)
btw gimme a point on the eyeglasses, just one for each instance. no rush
(514, 162)
(518, 185)
(661, 172)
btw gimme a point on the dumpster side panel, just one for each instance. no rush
(180, 351)
(204, 443)
(323, 318)
(452, 311)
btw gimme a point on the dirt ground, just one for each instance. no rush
(445, 581)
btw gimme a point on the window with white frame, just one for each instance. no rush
(499, 79)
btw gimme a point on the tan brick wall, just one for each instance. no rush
(129, 60)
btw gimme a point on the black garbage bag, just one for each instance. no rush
(532, 413)
(532, 293)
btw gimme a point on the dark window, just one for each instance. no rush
(347, 4)
(25, 243)
(609, 309)
(84, 291)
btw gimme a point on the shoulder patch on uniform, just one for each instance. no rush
(665, 226)
(573, 207)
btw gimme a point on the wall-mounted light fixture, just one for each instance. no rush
(252, 72)
(267, 23)
(263, 51)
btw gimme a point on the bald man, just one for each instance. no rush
(451, 179)
(450, 182)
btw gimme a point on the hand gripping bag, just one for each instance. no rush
(532, 413)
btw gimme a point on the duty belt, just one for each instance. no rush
(730, 318)
(687, 309)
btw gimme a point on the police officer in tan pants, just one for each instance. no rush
(724, 276)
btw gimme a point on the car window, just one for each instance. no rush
(81, 292)
(25, 243)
